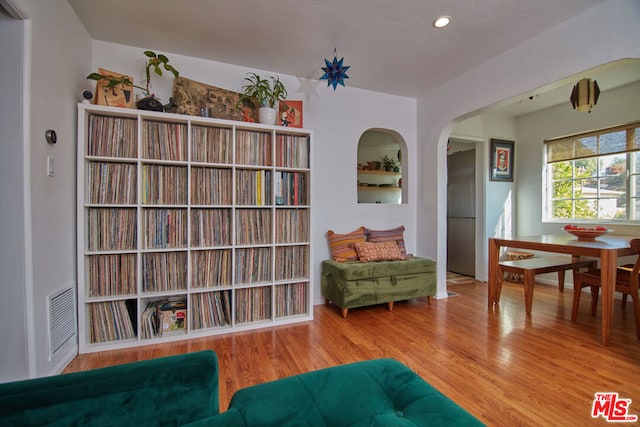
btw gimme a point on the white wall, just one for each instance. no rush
(58, 58)
(602, 34)
(337, 118)
(12, 202)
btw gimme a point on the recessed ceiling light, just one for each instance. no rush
(442, 21)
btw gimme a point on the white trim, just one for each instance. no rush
(28, 219)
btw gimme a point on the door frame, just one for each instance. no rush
(482, 157)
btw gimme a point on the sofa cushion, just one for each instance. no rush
(229, 418)
(364, 270)
(393, 234)
(381, 392)
(342, 246)
(383, 251)
(164, 391)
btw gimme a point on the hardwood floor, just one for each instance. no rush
(506, 368)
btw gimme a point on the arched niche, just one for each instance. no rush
(381, 166)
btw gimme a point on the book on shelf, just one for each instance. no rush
(111, 321)
(165, 316)
(210, 309)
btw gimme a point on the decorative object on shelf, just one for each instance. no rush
(501, 156)
(191, 97)
(585, 95)
(388, 163)
(148, 102)
(335, 71)
(373, 166)
(291, 113)
(112, 89)
(268, 92)
(87, 96)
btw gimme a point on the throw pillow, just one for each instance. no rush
(383, 251)
(342, 246)
(393, 234)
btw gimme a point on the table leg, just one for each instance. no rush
(494, 258)
(608, 263)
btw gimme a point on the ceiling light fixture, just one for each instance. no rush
(442, 21)
(585, 95)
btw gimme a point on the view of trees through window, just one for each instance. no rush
(595, 176)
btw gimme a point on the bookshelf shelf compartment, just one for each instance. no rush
(203, 221)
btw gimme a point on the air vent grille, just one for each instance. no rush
(62, 319)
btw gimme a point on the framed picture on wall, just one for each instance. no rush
(501, 157)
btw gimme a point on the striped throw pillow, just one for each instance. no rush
(393, 234)
(342, 246)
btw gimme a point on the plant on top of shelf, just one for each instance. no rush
(155, 61)
(268, 92)
(388, 163)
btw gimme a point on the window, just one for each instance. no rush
(594, 176)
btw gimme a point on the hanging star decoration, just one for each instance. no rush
(335, 72)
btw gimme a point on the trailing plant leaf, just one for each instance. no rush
(155, 61)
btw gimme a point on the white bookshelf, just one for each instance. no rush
(211, 215)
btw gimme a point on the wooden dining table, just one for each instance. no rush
(608, 248)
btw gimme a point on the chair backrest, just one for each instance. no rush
(635, 245)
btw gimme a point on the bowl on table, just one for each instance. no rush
(585, 233)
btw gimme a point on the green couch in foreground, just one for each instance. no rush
(183, 390)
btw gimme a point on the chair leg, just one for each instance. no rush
(595, 291)
(561, 280)
(636, 310)
(529, 280)
(499, 279)
(624, 301)
(577, 290)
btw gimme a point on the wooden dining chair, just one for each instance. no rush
(627, 277)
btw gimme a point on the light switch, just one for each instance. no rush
(50, 166)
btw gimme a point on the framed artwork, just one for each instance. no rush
(290, 113)
(192, 97)
(501, 156)
(117, 96)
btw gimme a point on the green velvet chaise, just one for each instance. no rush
(183, 390)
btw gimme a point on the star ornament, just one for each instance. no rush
(335, 72)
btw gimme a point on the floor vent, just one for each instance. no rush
(62, 318)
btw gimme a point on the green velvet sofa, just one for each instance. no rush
(183, 390)
(357, 284)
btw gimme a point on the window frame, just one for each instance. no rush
(572, 148)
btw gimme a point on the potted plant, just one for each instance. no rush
(268, 92)
(155, 61)
(388, 163)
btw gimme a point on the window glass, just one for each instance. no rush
(588, 176)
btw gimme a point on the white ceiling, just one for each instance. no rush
(390, 45)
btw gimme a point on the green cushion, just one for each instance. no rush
(230, 418)
(380, 392)
(355, 270)
(165, 391)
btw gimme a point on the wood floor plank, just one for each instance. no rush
(506, 368)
